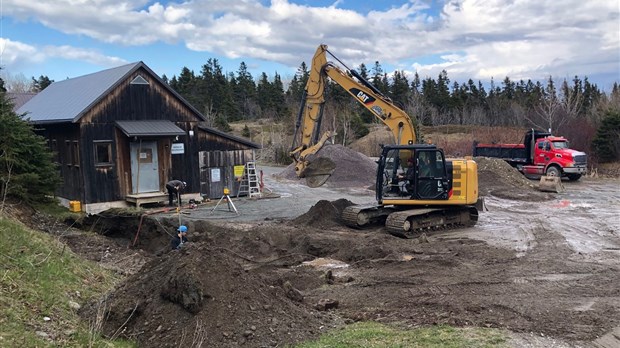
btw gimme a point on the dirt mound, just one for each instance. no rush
(498, 178)
(353, 169)
(370, 144)
(324, 214)
(202, 294)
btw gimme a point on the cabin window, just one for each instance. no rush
(67, 157)
(139, 80)
(54, 149)
(103, 153)
(75, 153)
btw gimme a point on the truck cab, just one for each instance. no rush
(552, 156)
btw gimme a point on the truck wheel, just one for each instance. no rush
(554, 171)
(574, 177)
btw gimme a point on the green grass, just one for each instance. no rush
(38, 278)
(56, 210)
(375, 335)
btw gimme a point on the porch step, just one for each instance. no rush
(146, 197)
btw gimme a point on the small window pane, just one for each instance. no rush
(75, 152)
(103, 153)
(146, 156)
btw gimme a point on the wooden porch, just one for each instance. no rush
(146, 197)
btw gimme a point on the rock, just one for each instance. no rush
(423, 238)
(185, 291)
(74, 305)
(329, 277)
(293, 293)
(326, 304)
(42, 334)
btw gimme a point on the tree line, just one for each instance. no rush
(560, 106)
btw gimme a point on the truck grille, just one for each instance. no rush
(580, 159)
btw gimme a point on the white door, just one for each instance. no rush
(144, 167)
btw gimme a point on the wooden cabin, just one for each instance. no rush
(120, 134)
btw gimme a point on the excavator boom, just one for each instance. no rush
(311, 114)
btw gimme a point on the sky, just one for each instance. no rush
(477, 39)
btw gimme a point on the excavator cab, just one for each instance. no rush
(412, 172)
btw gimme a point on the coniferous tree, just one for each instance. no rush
(399, 89)
(298, 83)
(26, 168)
(41, 83)
(606, 144)
(245, 93)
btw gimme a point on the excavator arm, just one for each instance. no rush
(310, 115)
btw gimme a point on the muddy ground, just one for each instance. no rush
(545, 267)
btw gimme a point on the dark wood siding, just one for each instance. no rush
(63, 140)
(100, 182)
(141, 102)
(225, 161)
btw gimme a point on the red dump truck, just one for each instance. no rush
(540, 154)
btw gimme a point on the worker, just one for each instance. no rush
(426, 168)
(181, 238)
(174, 188)
(406, 179)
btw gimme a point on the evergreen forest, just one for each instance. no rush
(574, 108)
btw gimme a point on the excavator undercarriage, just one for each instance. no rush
(410, 223)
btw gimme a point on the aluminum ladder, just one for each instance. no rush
(249, 181)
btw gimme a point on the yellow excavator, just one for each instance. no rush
(417, 188)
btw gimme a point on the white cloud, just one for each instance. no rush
(14, 56)
(86, 55)
(13, 53)
(477, 39)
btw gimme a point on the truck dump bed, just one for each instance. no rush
(512, 153)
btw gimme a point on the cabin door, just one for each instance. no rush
(144, 167)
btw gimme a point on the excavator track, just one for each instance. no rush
(411, 222)
(358, 216)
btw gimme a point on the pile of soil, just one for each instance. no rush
(353, 169)
(324, 214)
(498, 178)
(202, 294)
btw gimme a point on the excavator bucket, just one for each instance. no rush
(318, 171)
(551, 184)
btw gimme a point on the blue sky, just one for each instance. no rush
(478, 39)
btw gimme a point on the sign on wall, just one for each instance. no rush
(239, 171)
(215, 175)
(177, 148)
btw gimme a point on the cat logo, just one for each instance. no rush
(359, 94)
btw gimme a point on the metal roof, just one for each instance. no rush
(230, 136)
(66, 100)
(149, 128)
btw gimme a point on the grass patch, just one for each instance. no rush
(39, 276)
(370, 334)
(53, 209)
